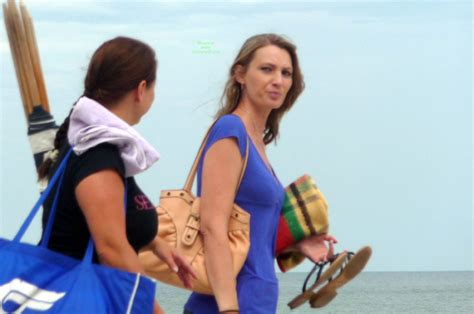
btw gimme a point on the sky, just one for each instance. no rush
(384, 125)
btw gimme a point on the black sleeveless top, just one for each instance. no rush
(70, 233)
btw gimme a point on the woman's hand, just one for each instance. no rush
(174, 260)
(157, 309)
(314, 247)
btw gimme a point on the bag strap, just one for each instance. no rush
(188, 185)
(58, 175)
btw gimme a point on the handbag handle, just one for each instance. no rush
(188, 185)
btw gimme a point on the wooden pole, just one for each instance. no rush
(19, 56)
(25, 56)
(21, 36)
(20, 75)
(33, 48)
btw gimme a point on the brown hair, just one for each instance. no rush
(116, 67)
(232, 92)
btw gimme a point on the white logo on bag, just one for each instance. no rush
(27, 296)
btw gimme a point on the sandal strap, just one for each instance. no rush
(333, 257)
(319, 267)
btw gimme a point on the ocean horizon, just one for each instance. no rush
(370, 292)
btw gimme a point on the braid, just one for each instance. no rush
(61, 135)
(59, 141)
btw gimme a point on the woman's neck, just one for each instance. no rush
(255, 120)
(124, 110)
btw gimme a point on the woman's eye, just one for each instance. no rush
(266, 69)
(287, 73)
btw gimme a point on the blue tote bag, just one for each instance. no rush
(34, 279)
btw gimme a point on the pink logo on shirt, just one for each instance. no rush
(143, 203)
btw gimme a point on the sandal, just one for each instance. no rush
(348, 263)
(335, 263)
(355, 264)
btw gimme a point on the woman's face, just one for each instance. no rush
(268, 77)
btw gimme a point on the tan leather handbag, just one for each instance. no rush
(179, 224)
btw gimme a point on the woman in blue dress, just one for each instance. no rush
(265, 81)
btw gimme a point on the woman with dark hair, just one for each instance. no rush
(108, 152)
(264, 82)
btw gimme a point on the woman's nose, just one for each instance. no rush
(277, 79)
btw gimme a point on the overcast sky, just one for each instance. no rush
(384, 125)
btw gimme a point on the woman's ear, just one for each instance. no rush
(140, 91)
(239, 74)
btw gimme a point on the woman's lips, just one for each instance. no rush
(274, 95)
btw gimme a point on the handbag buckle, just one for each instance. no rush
(191, 230)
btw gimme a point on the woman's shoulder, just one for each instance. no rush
(230, 122)
(99, 157)
(103, 149)
(229, 125)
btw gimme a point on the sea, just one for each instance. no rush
(370, 292)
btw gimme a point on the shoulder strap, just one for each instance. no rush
(58, 175)
(188, 185)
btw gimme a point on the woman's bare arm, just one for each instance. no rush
(101, 199)
(221, 171)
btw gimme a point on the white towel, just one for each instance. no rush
(92, 124)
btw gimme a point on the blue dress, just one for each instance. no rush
(262, 195)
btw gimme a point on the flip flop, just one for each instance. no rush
(335, 263)
(355, 264)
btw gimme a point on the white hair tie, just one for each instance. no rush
(52, 155)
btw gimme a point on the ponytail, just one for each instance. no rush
(59, 141)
